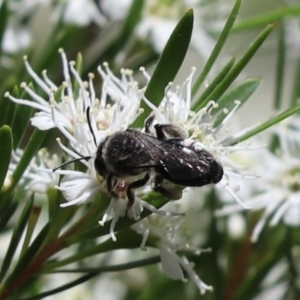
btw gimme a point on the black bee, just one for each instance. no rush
(176, 159)
(169, 155)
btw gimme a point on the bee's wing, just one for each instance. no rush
(184, 163)
(179, 163)
(177, 159)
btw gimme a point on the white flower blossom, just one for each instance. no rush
(36, 179)
(85, 121)
(164, 232)
(116, 109)
(175, 109)
(18, 36)
(159, 19)
(71, 109)
(15, 158)
(15, 38)
(118, 207)
(288, 134)
(79, 12)
(277, 192)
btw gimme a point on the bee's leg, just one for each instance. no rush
(171, 130)
(172, 192)
(109, 185)
(149, 122)
(134, 185)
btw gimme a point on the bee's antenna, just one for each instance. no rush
(90, 124)
(70, 161)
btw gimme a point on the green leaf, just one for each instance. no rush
(78, 68)
(26, 259)
(266, 125)
(21, 119)
(15, 239)
(90, 218)
(114, 268)
(267, 18)
(94, 272)
(58, 93)
(218, 47)
(133, 18)
(30, 150)
(59, 37)
(279, 79)
(240, 65)
(198, 104)
(10, 113)
(32, 221)
(6, 144)
(7, 110)
(296, 86)
(113, 48)
(20, 124)
(240, 92)
(55, 198)
(169, 63)
(261, 269)
(3, 21)
(58, 221)
(8, 200)
(126, 239)
(6, 214)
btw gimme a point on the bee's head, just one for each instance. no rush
(99, 163)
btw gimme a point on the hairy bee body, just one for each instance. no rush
(177, 160)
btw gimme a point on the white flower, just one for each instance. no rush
(116, 10)
(278, 192)
(159, 19)
(115, 110)
(71, 108)
(288, 134)
(163, 233)
(276, 284)
(175, 109)
(26, 7)
(36, 179)
(15, 38)
(118, 207)
(14, 160)
(79, 12)
(79, 187)
(17, 35)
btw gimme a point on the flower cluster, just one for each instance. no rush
(33, 180)
(164, 234)
(277, 191)
(85, 121)
(17, 35)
